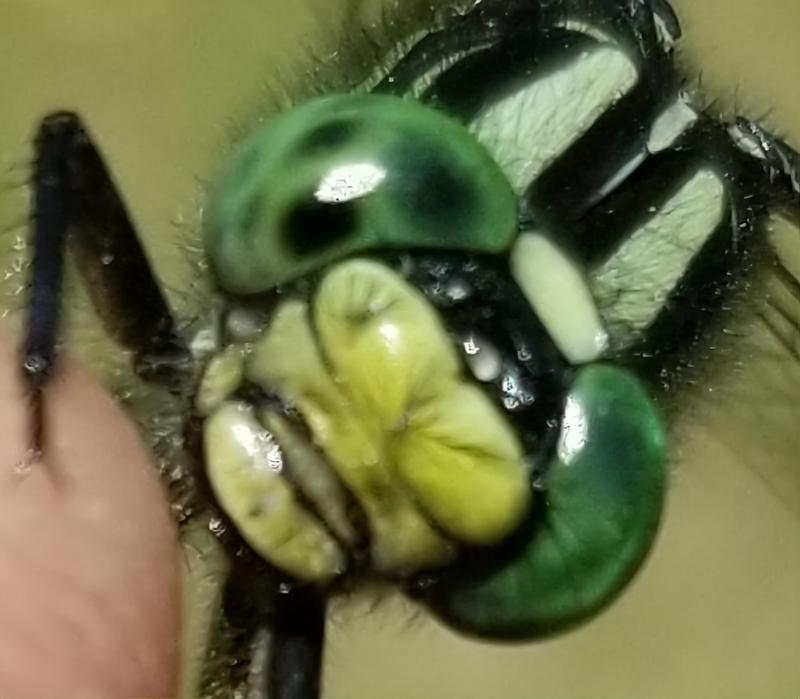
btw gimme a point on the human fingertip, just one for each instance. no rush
(88, 551)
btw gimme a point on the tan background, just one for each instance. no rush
(716, 612)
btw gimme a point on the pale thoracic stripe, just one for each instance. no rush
(531, 127)
(633, 284)
(557, 290)
(670, 124)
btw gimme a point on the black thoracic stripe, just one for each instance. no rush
(572, 185)
(479, 79)
(600, 231)
(530, 389)
(518, 25)
(466, 36)
(631, 22)
(491, 22)
(574, 182)
(594, 236)
(530, 43)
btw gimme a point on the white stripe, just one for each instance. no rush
(558, 292)
(531, 127)
(632, 286)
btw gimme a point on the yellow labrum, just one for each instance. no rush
(377, 380)
(245, 470)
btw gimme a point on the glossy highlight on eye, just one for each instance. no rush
(574, 428)
(349, 182)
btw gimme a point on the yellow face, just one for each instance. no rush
(717, 608)
(369, 367)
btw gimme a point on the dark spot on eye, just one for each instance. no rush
(328, 136)
(436, 193)
(313, 226)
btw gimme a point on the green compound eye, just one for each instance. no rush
(594, 525)
(349, 173)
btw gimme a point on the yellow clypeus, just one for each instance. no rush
(288, 361)
(376, 378)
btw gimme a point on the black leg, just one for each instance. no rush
(77, 204)
(271, 644)
(284, 654)
(49, 224)
(780, 162)
(297, 636)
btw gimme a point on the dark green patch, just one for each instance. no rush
(329, 137)
(435, 192)
(313, 226)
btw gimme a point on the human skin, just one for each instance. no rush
(88, 552)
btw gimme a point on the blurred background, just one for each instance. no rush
(166, 86)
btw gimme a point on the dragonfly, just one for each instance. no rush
(715, 174)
